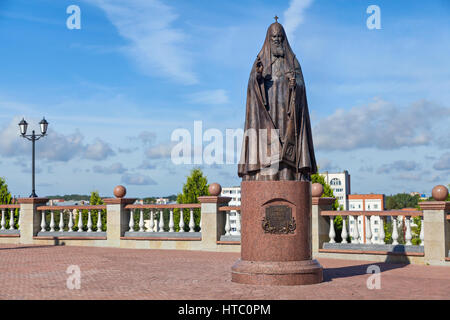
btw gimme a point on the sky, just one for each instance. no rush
(115, 90)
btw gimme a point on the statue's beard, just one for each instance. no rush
(277, 50)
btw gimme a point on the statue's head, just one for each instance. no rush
(277, 36)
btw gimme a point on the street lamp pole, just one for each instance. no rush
(33, 138)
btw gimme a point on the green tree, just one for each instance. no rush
(196, 186)
(328, 193)
(95, 199)
(401, 200)
(6, 198)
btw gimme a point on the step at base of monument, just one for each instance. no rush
(277, 273)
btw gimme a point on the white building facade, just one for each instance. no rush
(340, 184)
(366, 202)
(235, 194)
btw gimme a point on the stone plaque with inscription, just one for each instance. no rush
(278, 220)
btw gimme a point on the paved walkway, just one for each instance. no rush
(39, 272)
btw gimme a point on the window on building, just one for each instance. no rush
(375, 206)
(335, 182)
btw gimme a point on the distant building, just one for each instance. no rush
(235, 194)
(340, 184)
(162, 201)
(366, 202)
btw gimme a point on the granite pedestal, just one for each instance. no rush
(270, 253)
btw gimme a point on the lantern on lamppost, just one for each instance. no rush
(33, 137)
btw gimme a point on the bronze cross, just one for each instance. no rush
(276, 18)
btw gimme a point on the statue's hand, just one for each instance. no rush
(259, 67)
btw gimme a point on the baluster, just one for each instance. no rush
(332, 233)
(156, 225)
(361, 232)
(80, 220)
(61, 221)
(11, 219)
(171, 224)
(70, 220)
(408, 234)
(151, 224)
(200, 224)
(161, 221)
(191, 221)
(355, 235)
(227, 223)
(3, 219)
(131, 224)
(344, 233)
(181, 225)
(422, 234)
(89, 222)
(238, 223)
(99, 221)
(394, 230)
(381, 233)
(141, 220)
(368, 230)
(52, 221)
(43, 223)
(20, 220)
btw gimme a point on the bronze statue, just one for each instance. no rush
(277, 126)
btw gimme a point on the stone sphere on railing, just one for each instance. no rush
(316, 190)
(120, 191)
(215, 189)
(439, 193)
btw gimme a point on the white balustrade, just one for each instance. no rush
(408, 234)
(181, 224)
(11, 219)
(344, 233)
(238, 223)
(99, 221)
(131, 223)
(191, 221)
(171, 223)
(332, 233)
(70, 225)
(422, 232)
(61, 221)
(355, 235)
(381, 233)
(3, 220)
(80, 221)
(43, 223)
(227, 223)
(89, 222)
(394, 230)
(368, 230)
(151, 224)
(161, 221)
(52, 221)
(141, 220)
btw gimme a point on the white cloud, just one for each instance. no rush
(99, 150)
(115, 168)
(137, 179)
(209, 97)
(399, 165)
(443, 163)
(380, 125)
(294, 16)
(154, 44)
(147, 165)
(160, 151)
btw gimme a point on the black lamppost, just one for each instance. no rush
(33, 137)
